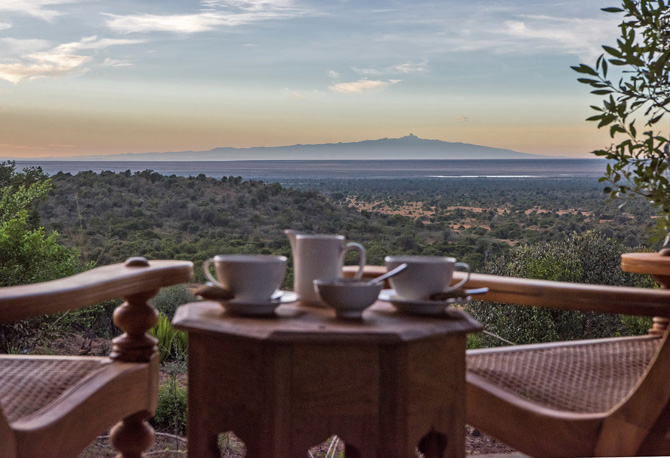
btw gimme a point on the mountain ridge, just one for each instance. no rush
(409, 147)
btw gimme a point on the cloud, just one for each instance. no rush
(34, 8)
(533, 34)
(93, 42)
(178, 23)
(116, 63)
(45, 66)
(570, 27)
(19, 46)
(333, 74)
(302, 94)
(410, 67)
(8, 145)
(250, 5)
(58, 61)
(462, 119)
(297, 95)
(572, 35)
(5, 25)
(406, 68)
(361, 86)
(214, 14)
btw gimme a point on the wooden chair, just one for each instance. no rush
(54, 406)
(601, 397)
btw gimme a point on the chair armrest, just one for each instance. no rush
(561, 295)
(573, 296)
(90, 287)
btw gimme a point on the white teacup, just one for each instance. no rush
(424, 275)
(248, 277)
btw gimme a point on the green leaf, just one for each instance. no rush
(602, 91)
(584, 69)
(612, 10)
(613, 51)
(587, 81)
(616, 128)
(655, 119)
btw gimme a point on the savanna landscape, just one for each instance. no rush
(558, 229)
(224, 80)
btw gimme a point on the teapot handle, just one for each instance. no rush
(361, 257)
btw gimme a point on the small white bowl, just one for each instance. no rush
(347, 297)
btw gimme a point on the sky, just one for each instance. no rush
(97, 77)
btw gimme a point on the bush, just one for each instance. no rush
(168, 299)
(171, 342)
(587, 258)
(171, 410)
(28, 253)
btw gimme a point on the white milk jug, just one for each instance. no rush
(319, 257)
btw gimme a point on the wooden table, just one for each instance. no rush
(286, 383)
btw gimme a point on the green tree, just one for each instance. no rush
(27, 253)
(640, 160)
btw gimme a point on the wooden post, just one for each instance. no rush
(656, 264)
(135, 317)
(132, 436)
(660, 323)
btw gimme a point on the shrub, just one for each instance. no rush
(587, 258)
(168, 299)
(171, 410)
(172, 343)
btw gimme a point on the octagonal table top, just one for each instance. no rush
(381, 323)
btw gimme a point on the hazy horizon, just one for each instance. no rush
(99, 78)
(409, 147)
(528, 169)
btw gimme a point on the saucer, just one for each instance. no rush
(426, 306)
(254, 308)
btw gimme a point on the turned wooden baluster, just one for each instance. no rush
(658, 266)
(135, 317)
(660, 323)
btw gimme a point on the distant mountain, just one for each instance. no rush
(408, 147)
